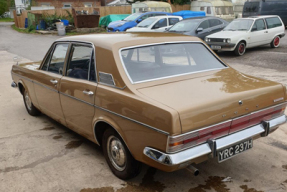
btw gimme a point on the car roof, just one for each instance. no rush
(111, 40)
(155, 12)
(202, 18)
(263, 16)
(166, 16)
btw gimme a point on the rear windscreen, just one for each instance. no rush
(154, 62)
(251, 7)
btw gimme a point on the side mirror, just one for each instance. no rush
(254, 29)
(17, 59)
(139, 20)
(199, 30)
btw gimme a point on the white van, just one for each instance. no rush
(146, 6)
(217, 8)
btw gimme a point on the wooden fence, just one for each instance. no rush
(107, 10)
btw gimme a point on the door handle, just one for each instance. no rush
(53, 81)
(266, 32)
(88, 92)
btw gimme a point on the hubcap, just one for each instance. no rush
(276, 41)
(116, 153)
(241, 48)
(27, 100)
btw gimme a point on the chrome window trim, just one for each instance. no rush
(162, 43)
(84, 42)
(68, 59)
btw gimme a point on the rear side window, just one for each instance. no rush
(150, 63)
(173, 21)
(79, 62)
(57, 61)
(214, 22)
(273, 22)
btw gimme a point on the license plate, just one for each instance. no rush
(215, 47)
(234, 150)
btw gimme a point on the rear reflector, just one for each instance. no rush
(176, 143)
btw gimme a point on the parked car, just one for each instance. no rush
(151, 107)
(217, 8)
(156, 24)
(106, 20)
(132, 21)
(199, 26)
(250, 32)
(266, 7)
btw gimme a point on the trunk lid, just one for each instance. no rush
(210, 99)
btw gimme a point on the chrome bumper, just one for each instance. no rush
(213, 146)
(14, 85)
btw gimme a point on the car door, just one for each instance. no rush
(203, 29)
(78, 88)
(258, 34)
(160, 26)
(48, 79)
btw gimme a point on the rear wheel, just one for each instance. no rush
(118, 157)
(31, 109)
(240, 49)
(276, 42)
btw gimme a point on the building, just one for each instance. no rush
(21, 5)
(67, 3)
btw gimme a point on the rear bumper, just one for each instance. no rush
(186, 157)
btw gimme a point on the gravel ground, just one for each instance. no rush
(38, 154)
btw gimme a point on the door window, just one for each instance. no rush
(173, 21)
(259, 25)
(79, 62)
(208, 11)
(58, 59)
(204, 25)
(160, 23)
(214, 22)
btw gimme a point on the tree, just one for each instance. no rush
(3, 7)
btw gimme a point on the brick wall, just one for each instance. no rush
(74, 3)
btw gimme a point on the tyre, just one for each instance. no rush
(240, 49)
(276, 42)
(31, 109)
(118, 157)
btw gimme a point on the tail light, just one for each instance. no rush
(187, 140)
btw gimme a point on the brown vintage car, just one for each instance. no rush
(165, 100)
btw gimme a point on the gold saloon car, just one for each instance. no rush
(162, 99)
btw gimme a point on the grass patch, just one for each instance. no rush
(6, 20)
(23, 30)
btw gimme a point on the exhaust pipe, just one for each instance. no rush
(193, 170)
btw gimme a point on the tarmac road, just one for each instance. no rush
(38, 154)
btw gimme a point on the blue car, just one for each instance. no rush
(132, 21)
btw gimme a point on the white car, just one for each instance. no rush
(246, 33)
(156, 24)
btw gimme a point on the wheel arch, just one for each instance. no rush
(242, 40)
(21, 86)
(101, 125)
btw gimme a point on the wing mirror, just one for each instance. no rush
(17, 59)
(254, 29)
(199, 30)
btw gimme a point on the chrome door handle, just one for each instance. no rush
(53, 81)
(88, 92)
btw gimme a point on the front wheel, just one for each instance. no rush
(118, 157)
(31, 109)
(276, 42)
(240, 49)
